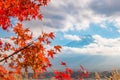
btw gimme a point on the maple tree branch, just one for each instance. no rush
(16, 52)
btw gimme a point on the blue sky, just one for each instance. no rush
(86, 29)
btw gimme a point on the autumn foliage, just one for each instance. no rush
(25, 51)
(22, 10)
(30, 53)
(67, 73)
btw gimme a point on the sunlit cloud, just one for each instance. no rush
(69, 15)
(72, 37)
(62, 15)
(101, 46)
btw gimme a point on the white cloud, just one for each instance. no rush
(101, 46)
(99, 50)
(4, 40)
(64, 15)
(107, 42)
(72, 37)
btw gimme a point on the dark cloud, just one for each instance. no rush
(57, 16)
(65, 15)
(105, 7)
(53, 18)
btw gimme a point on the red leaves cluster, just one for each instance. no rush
(67, 74)
(5, 74)
(23, 35)
(52, 52)
(34, 53)
(20, 9)
(83, 72)
(0, 43)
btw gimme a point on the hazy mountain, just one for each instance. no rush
(91, 62)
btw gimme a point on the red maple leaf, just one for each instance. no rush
(57, 48)
(51, 35)
(0, 43)
(69, 70)
(63, 64)
(51, 53)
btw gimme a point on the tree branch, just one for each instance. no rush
(16, 52)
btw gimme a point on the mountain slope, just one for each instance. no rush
(86, 40)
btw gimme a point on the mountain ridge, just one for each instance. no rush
(85, 40)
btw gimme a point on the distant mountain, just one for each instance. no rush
(91, 62)
(85, 40)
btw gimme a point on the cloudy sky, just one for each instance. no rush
(88, 31)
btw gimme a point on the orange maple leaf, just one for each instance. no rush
(40, 17)
(58, 48)
(51, 35)
(63, 64)
(51, 53)
(0, 43)
(69, 70)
